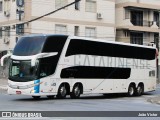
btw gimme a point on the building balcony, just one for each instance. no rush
(144, 26)
(144, 23)
(146, 4)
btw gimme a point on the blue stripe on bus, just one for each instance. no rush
(36, 88)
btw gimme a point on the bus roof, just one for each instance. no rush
(90, 39)
(113, 42)
(44, 35)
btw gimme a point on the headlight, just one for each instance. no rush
(32, 91)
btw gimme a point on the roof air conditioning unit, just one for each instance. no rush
(6, 40)
(7, 13)
(99, 15)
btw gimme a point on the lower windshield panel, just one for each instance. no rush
(21, 71)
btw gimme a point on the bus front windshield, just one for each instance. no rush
(27, 46)
(21, 71)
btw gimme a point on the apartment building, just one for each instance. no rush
(88, 18)
(137, 21)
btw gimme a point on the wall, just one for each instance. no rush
(71, 17)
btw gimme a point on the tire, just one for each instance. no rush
(62, 92)
(131, 91)
(139, 90)
(36, 97)
(76, 92)
(50, 96)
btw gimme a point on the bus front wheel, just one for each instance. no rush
(75, 92)
(62, 92)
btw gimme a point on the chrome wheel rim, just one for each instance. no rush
(139, 89)
(76, 91)
(131, 91)
(63, 91)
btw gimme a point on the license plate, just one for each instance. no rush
(18, 92)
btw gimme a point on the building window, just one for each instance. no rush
(61, 29)
(126, 33)
(90, 6)
(77, 5)
(7, 31)
(16, 39)
(127, 13)
(137, 18)
(136, 38)
(90, 32)
(60, 3)
(20, 29)
(156, 18)
(76, 31)
(156, 40)
(1, 6)
(0, 32)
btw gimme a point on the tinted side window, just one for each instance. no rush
(78, 46)
(53, 44)
(88, 72)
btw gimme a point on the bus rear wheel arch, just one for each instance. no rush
(76, 91)
(139, 89)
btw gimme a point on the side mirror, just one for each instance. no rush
(3, 58)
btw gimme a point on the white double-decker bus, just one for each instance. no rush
(60, 65)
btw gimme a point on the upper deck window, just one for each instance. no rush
(29, 46)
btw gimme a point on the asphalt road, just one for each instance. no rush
(97, 102)
(85, 103)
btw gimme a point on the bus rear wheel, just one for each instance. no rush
(131, 91)
(62, 92)
(75, 92)
(139, 90)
